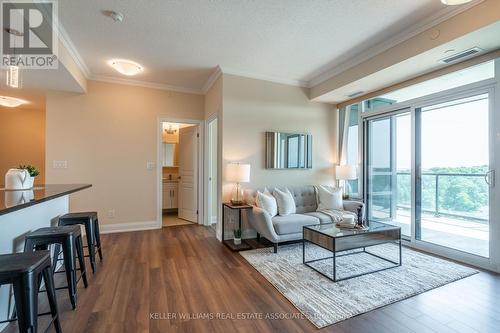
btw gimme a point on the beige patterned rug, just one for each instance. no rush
(325, 302)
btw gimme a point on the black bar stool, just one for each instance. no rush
(24, 271)
(91, 223)
(70, 238)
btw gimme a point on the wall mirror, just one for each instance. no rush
(288, 150)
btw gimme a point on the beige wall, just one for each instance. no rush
(252, 107)
(213, 98)
(22, 139)
(107, 136)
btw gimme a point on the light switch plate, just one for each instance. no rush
(59, 164)
(150, 165)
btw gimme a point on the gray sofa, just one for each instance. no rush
(280, 229)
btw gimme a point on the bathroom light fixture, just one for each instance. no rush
(172, 128)
(126, 67)
(455, 2)
(11, 102)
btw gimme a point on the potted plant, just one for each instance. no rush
(33, 171)
(237, 236)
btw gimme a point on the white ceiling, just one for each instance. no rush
(181, 43)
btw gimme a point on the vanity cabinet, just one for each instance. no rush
(170, 195)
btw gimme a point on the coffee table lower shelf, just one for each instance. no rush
(335, 255)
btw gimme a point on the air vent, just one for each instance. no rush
(354, 94)
(462, 55)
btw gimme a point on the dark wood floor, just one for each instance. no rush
(183, 269)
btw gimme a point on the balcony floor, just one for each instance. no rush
(460, 234)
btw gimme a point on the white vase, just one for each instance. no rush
(30, 181)
(237, 241)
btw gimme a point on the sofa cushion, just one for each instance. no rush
(329, 198)
(323, 218)
(292, 223)
(304, 197)
(267, 202)
(286, 203)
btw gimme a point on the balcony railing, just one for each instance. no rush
(437, 211)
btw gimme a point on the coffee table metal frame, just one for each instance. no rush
(383, 239)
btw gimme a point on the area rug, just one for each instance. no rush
(325, 302)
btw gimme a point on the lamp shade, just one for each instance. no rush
(346, 172)
(238, 173)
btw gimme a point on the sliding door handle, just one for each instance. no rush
(489, 178)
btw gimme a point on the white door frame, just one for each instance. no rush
(159, 163)
(207, 220)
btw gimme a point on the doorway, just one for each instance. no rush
(179, 173)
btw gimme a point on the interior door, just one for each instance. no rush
(188, 173)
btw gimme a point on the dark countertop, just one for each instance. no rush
(11, 201)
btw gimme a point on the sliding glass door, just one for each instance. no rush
(453, 182)
(427, 170)
(388, 169)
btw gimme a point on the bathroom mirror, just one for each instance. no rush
(170, 154)
(288, 150)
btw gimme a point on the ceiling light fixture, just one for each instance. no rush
(454, 2)
(172, 128)
(116, 16)
(126, 67)
(11, 102)
(13, 73)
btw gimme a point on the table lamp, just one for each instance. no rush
(345, 173)
(237, 173)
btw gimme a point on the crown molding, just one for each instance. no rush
(211, 79)
(72, 50)
(289, 82)
(429, 22)
(145, 84)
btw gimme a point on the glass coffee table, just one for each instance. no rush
(337, 240)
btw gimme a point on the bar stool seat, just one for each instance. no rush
(25, 271)
(91, 223)
(70, 238)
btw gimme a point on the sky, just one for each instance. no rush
(452, 136)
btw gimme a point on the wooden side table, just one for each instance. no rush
(229, 242)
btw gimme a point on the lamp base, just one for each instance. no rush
(237, 202)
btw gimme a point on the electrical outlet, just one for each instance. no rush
(59, 164)
(111, 213)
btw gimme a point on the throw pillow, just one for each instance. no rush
(286, 204)
(329, 198)
(267, 202)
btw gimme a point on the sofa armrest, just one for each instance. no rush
(357, 207)
(262, 222)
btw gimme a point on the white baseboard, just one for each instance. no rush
(126, 227)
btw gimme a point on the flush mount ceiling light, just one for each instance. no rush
(115, 16)
(455, 2)
(11, 102)
(126, 67)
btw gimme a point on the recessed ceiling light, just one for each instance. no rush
(11, 102)
(126, 67)
(455, 2)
